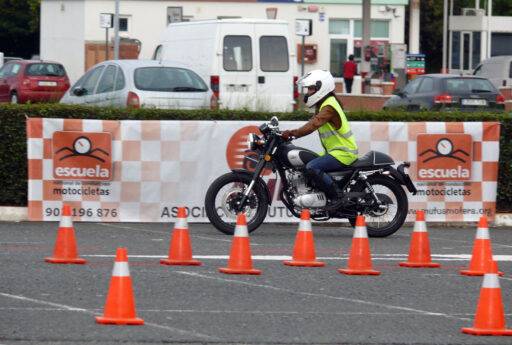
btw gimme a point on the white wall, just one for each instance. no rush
(62, 35)
(148, 20)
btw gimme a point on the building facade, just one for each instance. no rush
(71, 32)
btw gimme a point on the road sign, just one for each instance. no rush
(415, 64)
(106, 20)
(303, 27)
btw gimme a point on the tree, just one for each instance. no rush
(19, 27)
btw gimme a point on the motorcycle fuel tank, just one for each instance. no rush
(294, 156)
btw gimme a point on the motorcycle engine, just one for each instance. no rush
(305, 195)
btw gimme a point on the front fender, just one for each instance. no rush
(259, 181)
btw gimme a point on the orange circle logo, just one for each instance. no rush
(237, 150)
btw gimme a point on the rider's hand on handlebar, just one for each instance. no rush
(287, 135)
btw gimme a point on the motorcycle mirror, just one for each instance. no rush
(274, 121)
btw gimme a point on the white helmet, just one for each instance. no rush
(323, 83)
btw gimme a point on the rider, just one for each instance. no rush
(333, 128)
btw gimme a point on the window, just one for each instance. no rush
(15, 69)
(174, 14)
(92, 79)
(338, 57)
(476, 48)
(339, 27)
(412, 86)
(427, 85)
(123, 24)
(168, 79)
(379, 28)
(455, 50)
(5, 70)
(274, 54)
(106, 83)
(237, 53)
(45, 69)
(120, 84)
(468, 85)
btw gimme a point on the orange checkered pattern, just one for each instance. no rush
(158, 164)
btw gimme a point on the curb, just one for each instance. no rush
(20, 214)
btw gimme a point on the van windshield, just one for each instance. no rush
(168, 79)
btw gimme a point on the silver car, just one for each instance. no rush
(140, 83)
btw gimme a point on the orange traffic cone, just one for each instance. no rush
(360, 259)
(481, 257)
(490, 314)
(120, 304)
(240, 260)
(304, 248)
(419, 251)
(180, 249)
(65, 250)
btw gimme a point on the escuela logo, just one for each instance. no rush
(444, 157)
(82, 156)
(238, 151)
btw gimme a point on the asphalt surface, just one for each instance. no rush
(41, 303)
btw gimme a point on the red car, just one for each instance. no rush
(23, 81)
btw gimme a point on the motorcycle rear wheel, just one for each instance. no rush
(397, 195)
(256, 211)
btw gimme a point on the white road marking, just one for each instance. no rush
(316, 295)
(381, 257)
(91, 312)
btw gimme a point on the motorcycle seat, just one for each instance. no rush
(372, 159)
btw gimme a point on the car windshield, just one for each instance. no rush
(168, 79)
(45, 69)
(468, 85)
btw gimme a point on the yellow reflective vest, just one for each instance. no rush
(340, 143)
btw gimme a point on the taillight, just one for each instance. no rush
(443, 98)
(25, 83)
(215, 85)
(214, 104)
(133, 100)
(500, 99)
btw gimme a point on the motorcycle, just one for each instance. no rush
(372, 187)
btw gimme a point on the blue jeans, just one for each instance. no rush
(317, 169)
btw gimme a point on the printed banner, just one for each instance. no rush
(141, 171)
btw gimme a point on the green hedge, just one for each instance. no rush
(13, 169)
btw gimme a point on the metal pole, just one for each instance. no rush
(106, 44)
(445, 35)
(365, 65)
(489, 32)
(116, 31)
(302, 71)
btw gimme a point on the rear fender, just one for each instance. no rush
(401, 176)
(259, 181)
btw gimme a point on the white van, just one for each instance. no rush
(497, 69)
(249, 63)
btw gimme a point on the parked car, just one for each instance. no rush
(23, 81)
(249, 63)
(140, 83)
(445, 91)
(497, 69)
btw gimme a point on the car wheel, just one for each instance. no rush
(14, 98)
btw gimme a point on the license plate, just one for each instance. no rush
(47, 83)
(477, 102)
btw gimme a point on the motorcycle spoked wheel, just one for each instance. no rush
(384, 222)
(222, 196)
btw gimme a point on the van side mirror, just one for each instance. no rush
(79, 91)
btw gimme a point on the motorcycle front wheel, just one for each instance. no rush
(384, 220)
(221, 198)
